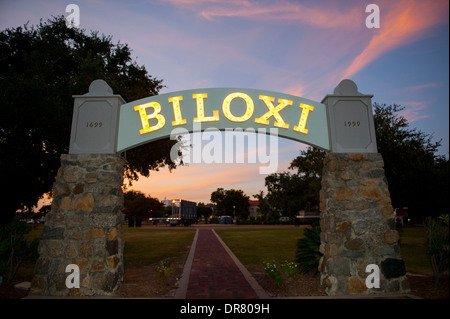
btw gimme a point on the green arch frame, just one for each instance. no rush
(155, 117)
(103, 123)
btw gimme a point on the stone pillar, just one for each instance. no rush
(84, 227)
(358, 227)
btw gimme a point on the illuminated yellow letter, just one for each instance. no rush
(145, 118)
(303, 118)
(248, 111)
(201, 110)
(273, 111)
(176, 110)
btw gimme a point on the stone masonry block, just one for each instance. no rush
(357, 226)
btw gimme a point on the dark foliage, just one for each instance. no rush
(41, 67)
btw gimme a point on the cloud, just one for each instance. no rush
(419, 102)
(312, 38)
(414, 110)
(402, 22)
(422, 86)
(328, 16)
(297, 90)
(196, 182)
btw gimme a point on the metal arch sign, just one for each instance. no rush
(155, 117)
(103, 123)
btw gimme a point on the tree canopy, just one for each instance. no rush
(417, 176)
(291, 192)
(141, 207)
(41, 67)
(230, 202)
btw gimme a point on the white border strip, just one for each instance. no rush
(184, 281)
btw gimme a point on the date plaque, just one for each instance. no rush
(95, 120)
(350, 120)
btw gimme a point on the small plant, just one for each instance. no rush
(271, 269)
(290, 269)
(279, 274)
(164, 269)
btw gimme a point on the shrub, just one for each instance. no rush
(14, 248)
(438, 245)
(308, 250)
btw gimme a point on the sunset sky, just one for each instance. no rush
(303, 48)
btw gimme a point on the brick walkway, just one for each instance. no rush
(214, 274)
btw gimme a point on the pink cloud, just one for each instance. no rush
(197, 182)
(422, 86)
(297, 90)
(414, 111)
(402, 22)
(328, 16)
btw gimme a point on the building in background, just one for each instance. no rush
(253, 209)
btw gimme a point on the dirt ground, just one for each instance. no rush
(139, 282)
(306, 285)
(144, 282)
(423, 286)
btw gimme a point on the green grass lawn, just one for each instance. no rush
(146, 246)
(255, 246)
(143, 246)
(413, 250)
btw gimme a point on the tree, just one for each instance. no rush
(40, 69)
(309, 167)
(283, 191)
(141, 207)
(264, 207)
(291, 192)
(203, 211)
(417, 177)
(231, 202)
(310, 163)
